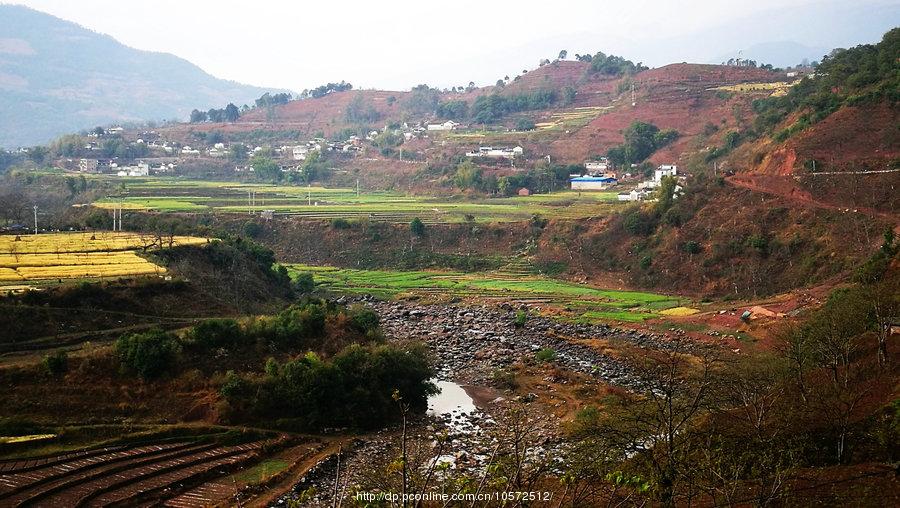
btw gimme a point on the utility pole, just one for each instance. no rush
(357, 188)
(35, 219)
(308, 194)
(633, 102)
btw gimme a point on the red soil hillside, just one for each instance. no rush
(677, 96)
(852, 149)
(852, 139)
(309, 116)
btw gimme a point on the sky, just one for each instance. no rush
(398, 44)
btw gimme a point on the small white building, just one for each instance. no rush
(664, 170)
(634, 195)
(599, 166)
(591, 183)
(449, 125)
(299, 153)
(497, 152)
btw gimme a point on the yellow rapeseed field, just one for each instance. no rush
(52, 256)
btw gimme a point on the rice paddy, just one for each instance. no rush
(175, 195)
(579, 302)
(30, 259)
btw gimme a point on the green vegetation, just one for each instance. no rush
(641, 140)
(176, 195)
(148, 354)
(574, 301)
(864, 74)
(612, 65)
(354, 388)
(490, 108)
(545, 355)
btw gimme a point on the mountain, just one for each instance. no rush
(58, 77)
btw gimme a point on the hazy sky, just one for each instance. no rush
(397, 44)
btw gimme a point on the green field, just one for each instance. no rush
(573, 301)
(178, 195)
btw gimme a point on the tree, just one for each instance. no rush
(467, 176)
(563, 54)
(265, 168)
(216, 115)
(237, 152)
(38, 154)
(149, 354)
(417, 227)
(198, 116)
(231, 113)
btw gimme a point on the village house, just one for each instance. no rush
(497, 152)
(665, 170)
(598, 166)
(524, 192)
(449, 125)
(591, 183)
(634, 195)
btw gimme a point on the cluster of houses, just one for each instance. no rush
(111, 166)
(645, 189)
(599, 176)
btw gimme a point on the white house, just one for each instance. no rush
(299, 153)
(449, 125)
(599, 166)
(592, 183)
(497, 152)
(665, 170)
(634, 195)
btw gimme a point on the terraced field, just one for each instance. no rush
(577, 302)
(124, 475)
(38, 259)
(174, 195)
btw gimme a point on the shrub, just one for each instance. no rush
(340, 223)
(545, 355)
(304, 283)
(252, 229)
(149, 354)
(521, 318)
(645, 262)
(503, 378)
(363, 319)
(417, 227)
(692, 247)
(215, 333)
(56, 363)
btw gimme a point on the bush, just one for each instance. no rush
(505, 379)
(355, 388)
(692, 247)
(56, 363)
(214, 333)
(252, 229)
(364, 319)
(304, 283)
(149, 354)
(340, 223)
(524, 124)
(521, 318)
(645, 262)
(545, 355)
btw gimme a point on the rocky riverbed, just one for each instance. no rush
(471, 342)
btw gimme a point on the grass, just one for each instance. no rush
(260, 472)
(572, 301)
(177, 195)
(56, 256)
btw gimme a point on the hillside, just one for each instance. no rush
(57, 77)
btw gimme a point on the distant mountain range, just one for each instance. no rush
(58, 77)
